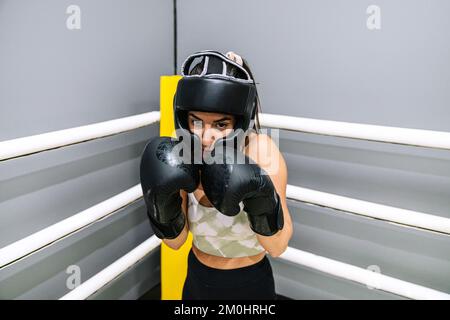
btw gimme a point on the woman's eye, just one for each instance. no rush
(222, 125)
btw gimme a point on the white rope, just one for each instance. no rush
(46, 141)
(329, 266)
(415, 137)
(113, 271)
(45, 237)
(412, 137)
(369, 209)
(372, 279)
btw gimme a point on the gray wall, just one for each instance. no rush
(317, 59)
(312, 59)
(52, 78)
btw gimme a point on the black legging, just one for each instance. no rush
(206, 283)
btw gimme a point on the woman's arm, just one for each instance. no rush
(181, 239)
(266, 154)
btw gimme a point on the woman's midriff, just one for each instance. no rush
(226, 263)
(216, 261)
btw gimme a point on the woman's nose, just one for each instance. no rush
(209, 135)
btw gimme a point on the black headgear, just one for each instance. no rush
(221, 86)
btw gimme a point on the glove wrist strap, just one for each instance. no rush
(169, 230)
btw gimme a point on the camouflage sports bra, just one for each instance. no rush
(220, 235)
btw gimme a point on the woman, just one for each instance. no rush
(228, 259)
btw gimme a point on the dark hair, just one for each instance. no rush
(233, 72)
(257, 125)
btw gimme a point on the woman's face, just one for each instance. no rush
(210, 126)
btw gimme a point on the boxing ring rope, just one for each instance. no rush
(414, 137)
(20, 147)
(329, 266)
(363, 276)
(113, 271)
(410, 137)
(40, 240)
(31, 244)
(402, 217)
(69, 226)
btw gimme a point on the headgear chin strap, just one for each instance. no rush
(221, 86)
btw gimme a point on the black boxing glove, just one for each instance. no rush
(163, 174)
(227, 182)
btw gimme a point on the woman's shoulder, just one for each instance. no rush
(262, 146)
(260, 139)
(264, 151)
